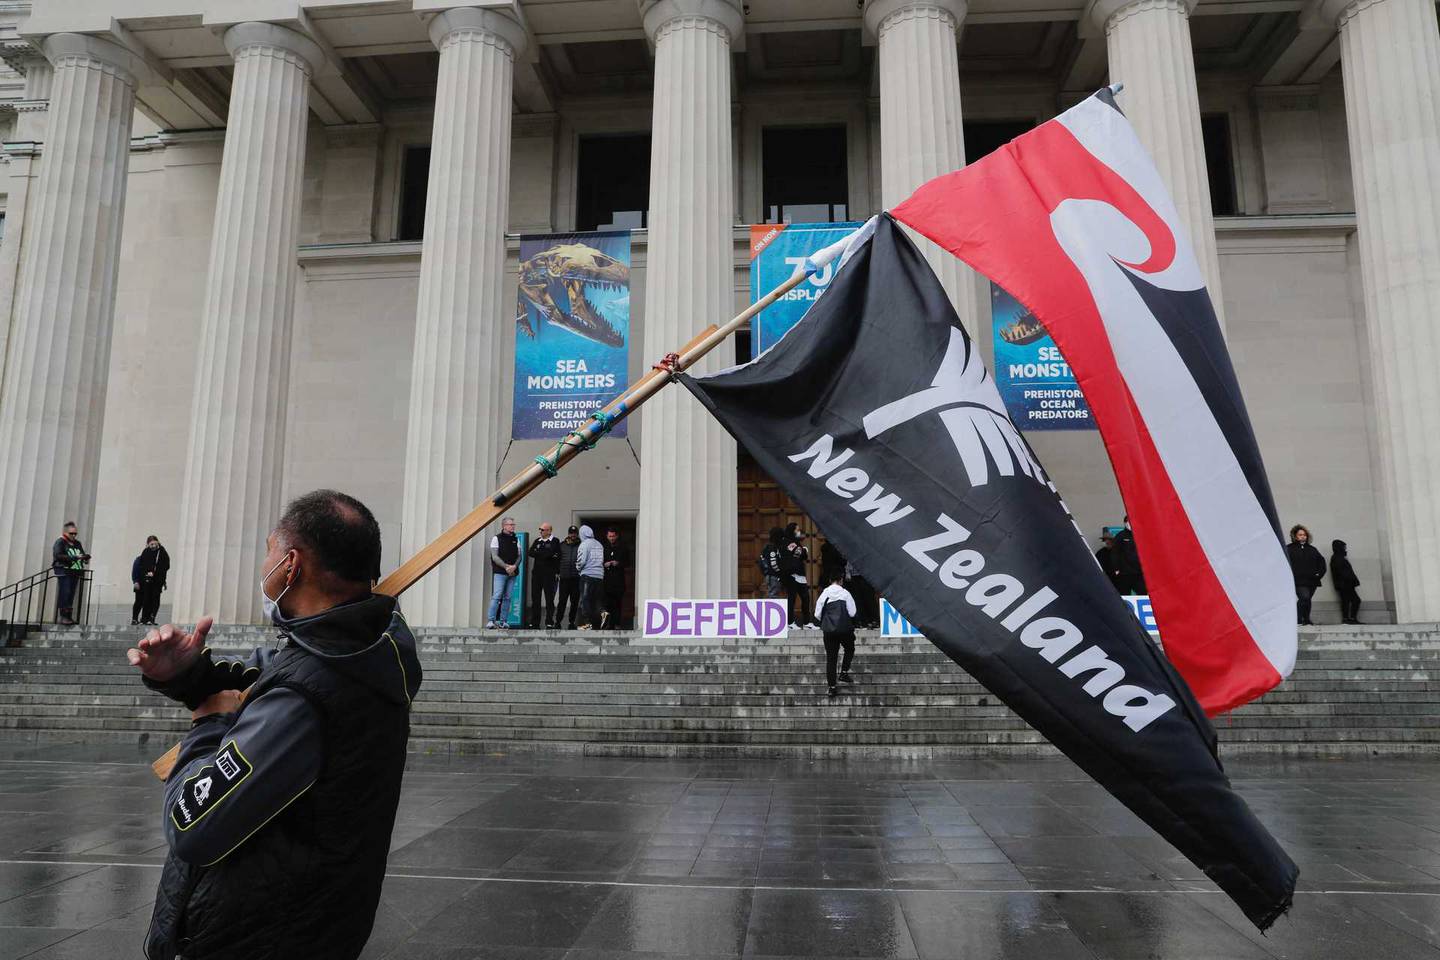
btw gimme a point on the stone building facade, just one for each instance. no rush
(214, 293)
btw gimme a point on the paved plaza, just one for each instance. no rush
(542, 858)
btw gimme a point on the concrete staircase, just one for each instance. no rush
(1355, 689)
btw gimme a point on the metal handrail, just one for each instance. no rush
(25, 602)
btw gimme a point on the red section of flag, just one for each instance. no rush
(995, 216)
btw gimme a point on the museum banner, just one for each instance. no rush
(776, 251)
(572, 331)
(1036, 383)
(877, 415)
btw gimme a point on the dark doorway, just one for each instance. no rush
(984, 137)
(1219, 168)
(625, 526)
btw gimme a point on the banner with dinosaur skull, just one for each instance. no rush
(572, 331)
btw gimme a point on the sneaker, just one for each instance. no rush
(846, 678)
(491, 625)
(136, 623)
(834, 691)
(583, 626)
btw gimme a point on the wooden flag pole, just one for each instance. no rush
(523, 483)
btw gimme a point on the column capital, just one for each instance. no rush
(67, 47)
(879, 13)
(1337, 13)
(728, 15)
(307, 52)
(488, 22)
(1099, 15)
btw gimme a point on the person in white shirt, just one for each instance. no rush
(835, 609)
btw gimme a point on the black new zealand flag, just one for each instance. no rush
(876, 413)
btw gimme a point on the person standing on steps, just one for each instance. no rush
(835, 610)
(1343, 579)
(68, 559)
(1129, 578)
(590, 563)
(799, 564)
(569, 579)
(504, 562)
(148, 575)
(1308, 567)
(772, 568)
(545, 569)
(616, 560)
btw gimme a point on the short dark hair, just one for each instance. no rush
(337, 530)
(67, 523)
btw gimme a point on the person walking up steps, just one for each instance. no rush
(835, 609)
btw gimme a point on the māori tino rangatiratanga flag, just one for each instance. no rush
(1073, 220)
(876, 413)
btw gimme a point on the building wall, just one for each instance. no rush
(1291, 297)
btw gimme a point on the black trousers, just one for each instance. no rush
(542, 585)
(569, 596)
(147, 601)
(614, 601)
(1349, 604)
(833, 643)
(1302, 602)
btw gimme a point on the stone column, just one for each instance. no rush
(1148, 43)
(457, 402)
(52, 410)
(921, 132)
(237, 427)
(1390, 55)
(688, 528)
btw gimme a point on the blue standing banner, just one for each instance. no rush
(776, 249)
(572, 331)
(1036, 383)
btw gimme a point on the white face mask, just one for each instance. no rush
(272, 607)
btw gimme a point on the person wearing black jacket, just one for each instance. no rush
(544, 569)
(1308, 568)
(616, 559)
(1343, 579)
(1129, 579)
(147, 574)
(67, 559)
(279, 811)
(1108, 556)
(569, 580)
(772, 566)
(799, 557)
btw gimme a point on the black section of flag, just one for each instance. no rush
(876, 414)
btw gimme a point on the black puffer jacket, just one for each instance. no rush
(1306, 563)
(306, 883)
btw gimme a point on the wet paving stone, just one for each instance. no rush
(563, 858)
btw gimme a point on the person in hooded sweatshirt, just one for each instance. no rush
(279, 810)
(590, 562)
(1343, 579)
(1307, 565)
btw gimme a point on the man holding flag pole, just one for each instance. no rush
(891, 435)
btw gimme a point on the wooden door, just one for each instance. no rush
(763, 504)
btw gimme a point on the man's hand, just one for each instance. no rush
(165, 652)
(510, 570)
(222, 701)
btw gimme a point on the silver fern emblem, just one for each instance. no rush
(973, 413)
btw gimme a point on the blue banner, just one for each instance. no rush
(1034, 380)
(572, 331)
(776, 249)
